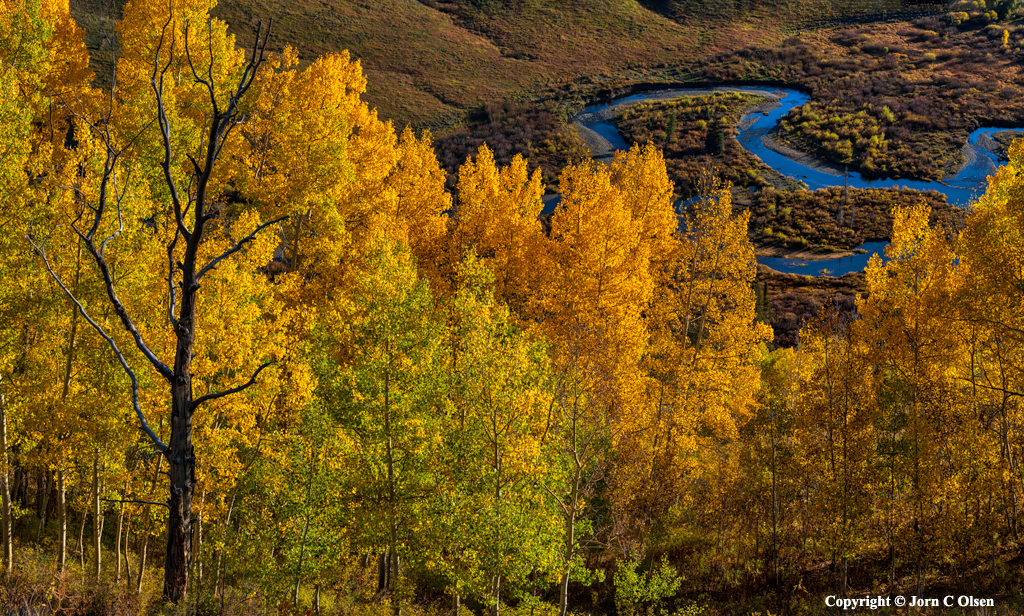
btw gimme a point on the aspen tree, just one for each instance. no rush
(906, 327)
(146, 140)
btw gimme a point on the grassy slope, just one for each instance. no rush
(430, 60)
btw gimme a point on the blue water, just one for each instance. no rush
(960, 190)
(827, 267)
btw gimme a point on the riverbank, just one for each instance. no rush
(603, 149)
(808, 160)
(803, 254)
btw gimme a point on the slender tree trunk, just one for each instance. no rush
(316, 600)
(197, 549)
(128, 555)
(142, 554)
(775, 506)
(62, 505)
(5, 492)
(496, 595)
(570, 545)
(97, 520)
(302, 554)
(42, 501)
(62, 520)
(220, 553)
(396, 605)
(120, 528)
(20, 490)
(81, 540)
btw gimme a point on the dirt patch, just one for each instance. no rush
(805, 159)
(802, 254)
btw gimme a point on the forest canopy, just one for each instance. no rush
(245, 321)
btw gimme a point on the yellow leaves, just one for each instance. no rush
(641, 175)
(68, 56)
(909, 310)
(993, 242)
(147, 27)
(497, 219)
(597, 278)
(419, 201)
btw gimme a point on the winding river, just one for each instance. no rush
(596, 125)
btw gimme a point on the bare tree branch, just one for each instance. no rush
(195, 74)
(233, 390)
(122, 313)
(238, 246)
(170, 278)
(165, 126)
(98, 254)
(144, 425)
(134, 501)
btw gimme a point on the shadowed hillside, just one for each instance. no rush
(430, 60)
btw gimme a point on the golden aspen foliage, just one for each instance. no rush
(835, 430)
(295, 156)
(496, 218)
(702, 355)
(641, 175)
(912, 343)
(991, 305)
(597, 279)
(420, 202)
(314, 151)
(68, 58)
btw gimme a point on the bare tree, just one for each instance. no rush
(190, 209)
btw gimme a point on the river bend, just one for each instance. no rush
(596, 125)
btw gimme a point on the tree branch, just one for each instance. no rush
(134, 501)
(233, 390)
(165, 128)
(143, 424)
(238, 246)
(170, 278)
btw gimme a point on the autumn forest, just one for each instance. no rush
(265, 352)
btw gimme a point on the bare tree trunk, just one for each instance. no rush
(302, 554)
(199, 541)
(220, 553)
(120, 528)
(181, 471)
(570, 545)
(62, 505)
(496, 594)
(62, 520)
(5, 492)
(97, 520)
(127, 557)
(42, 500)
(81, 540)
(142, 554)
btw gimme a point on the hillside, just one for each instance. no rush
(428, 61)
